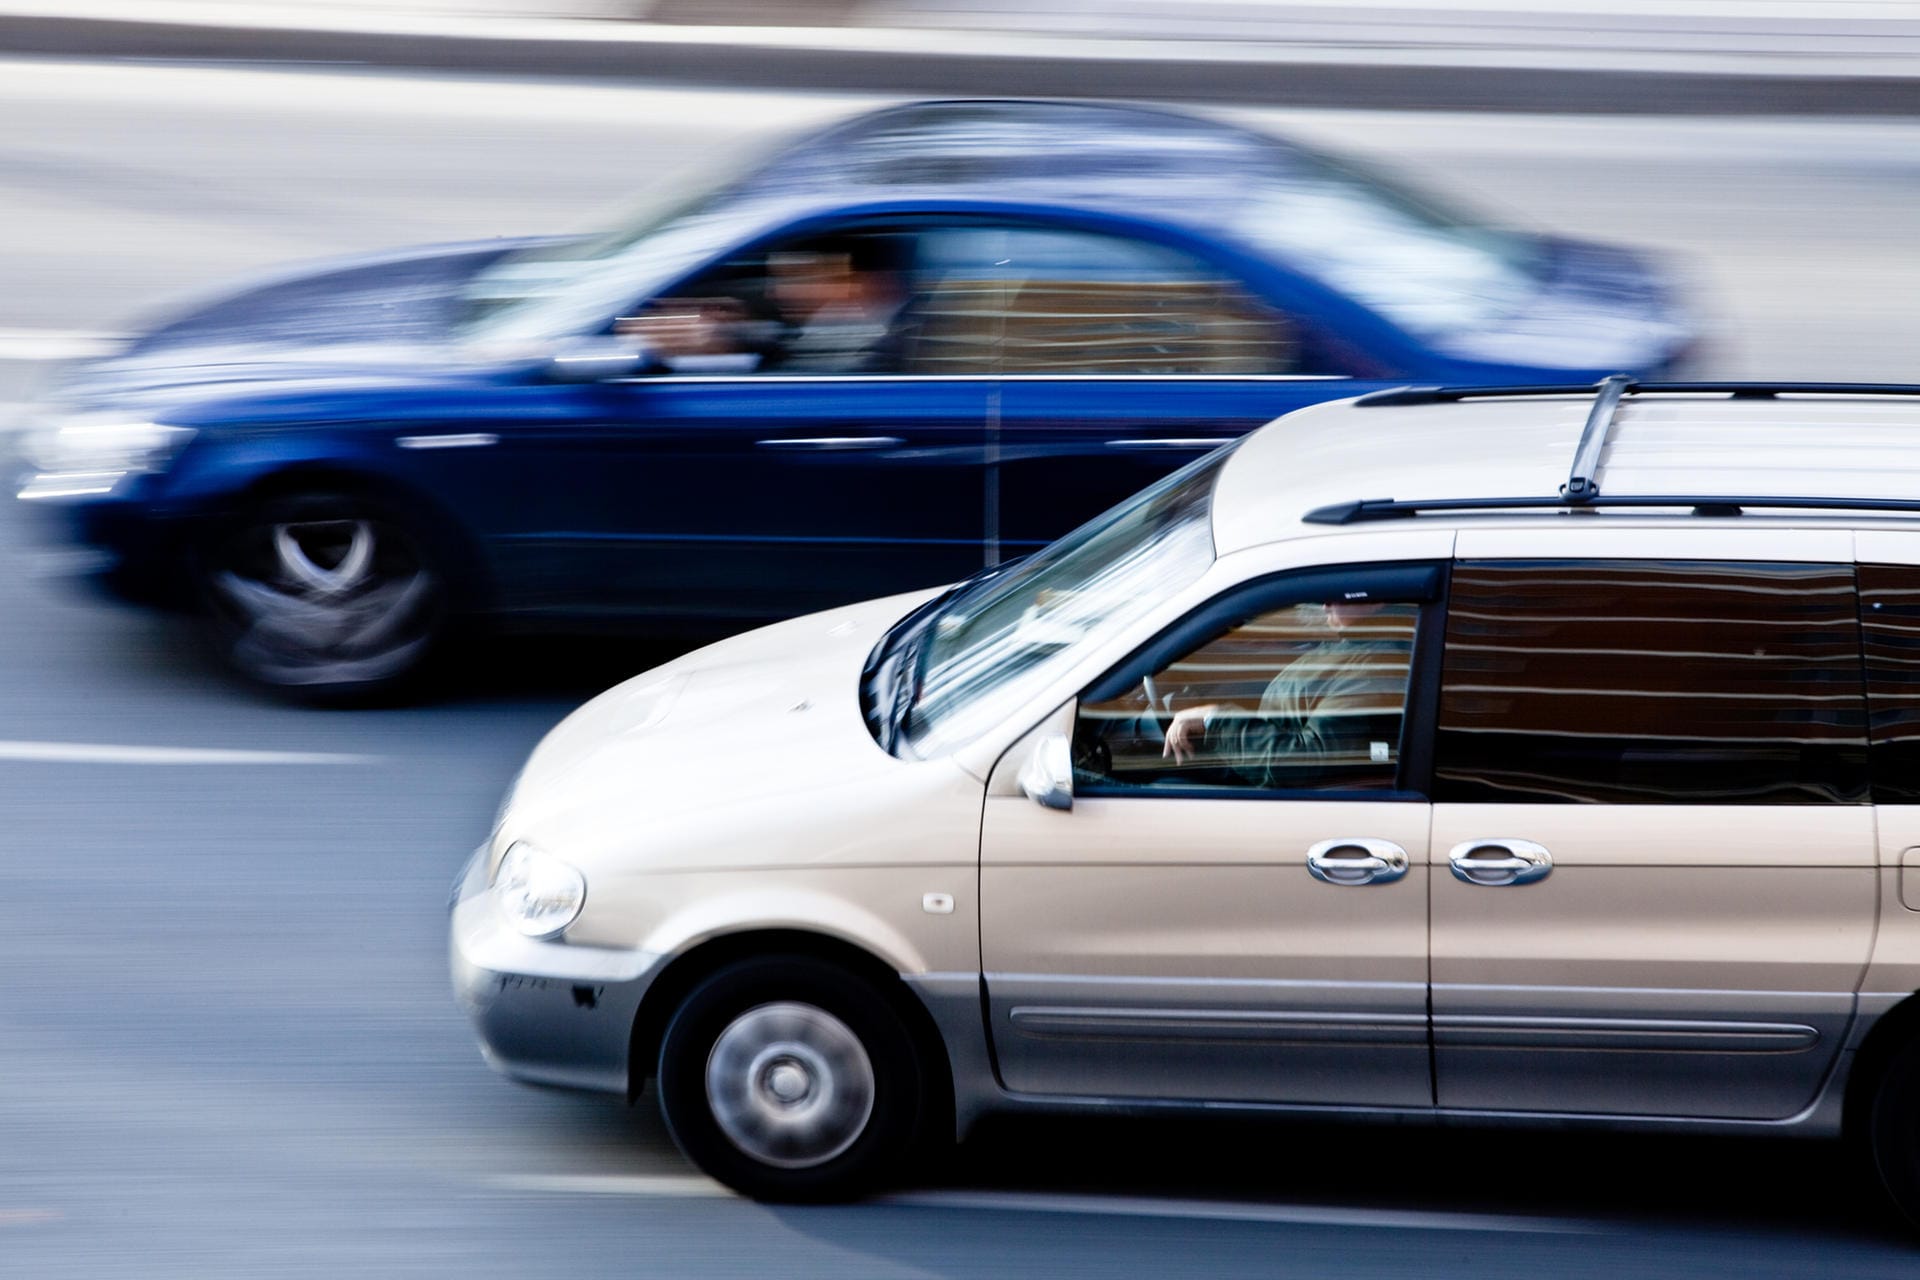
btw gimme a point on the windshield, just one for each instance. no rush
(1425, 267)
(996, 642)
(560, 289)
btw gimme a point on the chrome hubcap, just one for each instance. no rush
(325, 601)
(790, 1084)
(298, 566)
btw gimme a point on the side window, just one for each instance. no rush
(1305, 697)
(1033, 300)
(1890, 619)
(826, 304)
(1632, 682)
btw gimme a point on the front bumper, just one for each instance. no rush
(545, 1012)
(118, 545)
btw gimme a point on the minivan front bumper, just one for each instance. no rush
(545, 1012)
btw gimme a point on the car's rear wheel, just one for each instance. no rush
(1893, 1127)
(788, 1078)
(324, 596)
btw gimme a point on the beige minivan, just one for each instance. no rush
(1543, 755)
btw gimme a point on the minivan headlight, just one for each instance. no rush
(538, 894)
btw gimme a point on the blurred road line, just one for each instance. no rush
(694, 1186)
(618, 1184)
(106, 753)
(55, 344)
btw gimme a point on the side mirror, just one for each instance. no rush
(599, 359)
(1048, 776)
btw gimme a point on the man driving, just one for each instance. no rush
(833, 305)
(1318, 713)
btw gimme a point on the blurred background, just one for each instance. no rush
(227, 1046)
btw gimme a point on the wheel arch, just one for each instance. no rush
(687, 970)
(1892, 1029)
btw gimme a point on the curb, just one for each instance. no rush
(737, 61)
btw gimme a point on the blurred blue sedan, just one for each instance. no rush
(908, 347)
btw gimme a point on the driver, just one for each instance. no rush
(1314, 713)
(830, 306)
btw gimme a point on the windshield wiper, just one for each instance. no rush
(906, 684)
(892, 679)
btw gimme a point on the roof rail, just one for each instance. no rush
(1716, 504)
(1582, 489)
(1738, 390)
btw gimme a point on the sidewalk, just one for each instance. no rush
(1684, 56)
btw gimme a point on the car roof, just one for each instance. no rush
(1494, 452)
(1126, 159)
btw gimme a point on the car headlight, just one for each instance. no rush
(538, 894)
(89, 455)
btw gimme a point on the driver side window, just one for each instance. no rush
(1304, 697)
(836, 303)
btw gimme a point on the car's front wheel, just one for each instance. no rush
(328, 596)
(788, 1078)
(1893, 1127)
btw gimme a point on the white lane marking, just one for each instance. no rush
(56, 344)
(682, 1185)
(694, 1186)
(108, 753)
(28, 1217)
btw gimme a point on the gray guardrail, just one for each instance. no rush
(1381, 84)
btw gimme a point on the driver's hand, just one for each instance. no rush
(1184, 734)
(693, 327)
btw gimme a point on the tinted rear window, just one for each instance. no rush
(1652, 683)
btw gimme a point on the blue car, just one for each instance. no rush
(899, 351)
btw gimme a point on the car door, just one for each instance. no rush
(1118, 359)
(1246, 922)
(744, 482)
(1889, 570)
(1653, 858)
(757, 497)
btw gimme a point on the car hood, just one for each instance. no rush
(708, 760)
(1599, 309)
(370, 318)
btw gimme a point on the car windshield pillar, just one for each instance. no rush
(996, 643)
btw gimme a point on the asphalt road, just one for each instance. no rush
(227, 1047)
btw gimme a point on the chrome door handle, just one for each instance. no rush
(1499, 861)
(834, 444)
(1357, 861)
(1170, 442)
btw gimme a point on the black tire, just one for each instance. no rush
(1893, 1128)
(327, 597)
(755, 995)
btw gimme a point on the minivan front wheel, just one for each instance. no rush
(326, 596)
(788, 1078)
(1893, 1127)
